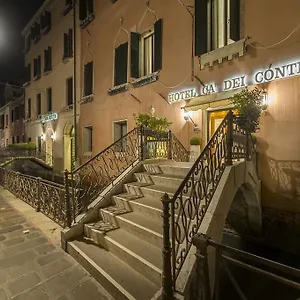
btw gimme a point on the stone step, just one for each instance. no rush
(117, 277)
(175, 168)
(172, 181)
(146, 228)
(146, 206)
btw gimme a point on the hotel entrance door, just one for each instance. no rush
(214, 120)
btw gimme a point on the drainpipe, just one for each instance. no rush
(74, 80)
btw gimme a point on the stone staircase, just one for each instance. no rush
(122, 248)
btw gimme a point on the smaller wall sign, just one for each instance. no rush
(49, 117)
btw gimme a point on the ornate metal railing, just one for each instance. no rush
(9, 154)
(226, 256)
(192, 199)
(43, 195)
(87, 182)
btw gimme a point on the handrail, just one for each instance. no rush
(192, 199)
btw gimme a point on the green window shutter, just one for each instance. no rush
(121, 58)
(235, 20)
(135, 54)
(200, 27)
(158, 45)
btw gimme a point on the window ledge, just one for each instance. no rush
(26, 84)
(27, 120)
(84, 23)
(36, 78)
(226, 52)
(46, 30)
(67, 9)
(66, 59)
(86, 99)
(46, 72)
(118, 89)
(145, 80)
(67, 108)
(37, 39)
(87, 154)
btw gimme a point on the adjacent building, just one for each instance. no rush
(183, 60)
(12, 129)
(51, 43)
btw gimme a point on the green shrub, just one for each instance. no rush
(26, 146)
(248, 104)
(154, 123)
(195, 141)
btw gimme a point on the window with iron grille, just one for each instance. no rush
(86, 12)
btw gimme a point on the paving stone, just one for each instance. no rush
(21, 284)
(25, 245)
(2, 238)
(55, 268)
(15, 216)
(11, 228)
(17, 259)
(87, 290)
(34, 234)
(3, 295)
(44, 249)
(42, 261)
(37, 293)
(63, 297)
(21, 270)
(2, 278)
(19, 232)
(64, 281)
(9, 223)
(14, 241)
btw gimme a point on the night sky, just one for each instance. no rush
(14, 15)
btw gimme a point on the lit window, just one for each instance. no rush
(147, 53)
(217, 24)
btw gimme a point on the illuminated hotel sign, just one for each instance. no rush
(49, 117)
(270, 74)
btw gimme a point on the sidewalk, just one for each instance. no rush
(32, 265)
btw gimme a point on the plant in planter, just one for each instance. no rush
(248, 104)
(195, 150)
(152, 122)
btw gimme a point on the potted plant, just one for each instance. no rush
(151, 122)
(195, 149)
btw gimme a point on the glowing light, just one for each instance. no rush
(187, 115)
(53, 136)
(43, 137)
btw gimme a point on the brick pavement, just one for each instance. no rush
(33, 268)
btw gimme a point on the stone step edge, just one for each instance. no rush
(104, 275)
(140, 226)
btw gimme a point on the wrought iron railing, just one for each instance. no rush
(45, 196)
(88, 181)
(192, 199)
(227, 256)
(9, 154)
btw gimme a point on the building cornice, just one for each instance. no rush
(36, 15)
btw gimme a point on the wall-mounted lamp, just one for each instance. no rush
(43, 137)
(264, 100)
(187, 115)
(53, 136)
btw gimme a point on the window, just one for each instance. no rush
(68, 44)
(39, 142)
(2, 122)
(38, 105)
(23, 138)
(48, 59)
(88, 79)
(146, 51)
(12, 115)
(68, 7)
(37, 67)
(46, 22)
(17, 139)
(49, 99)
(69, 83)
(88, 139)
(217, 24)
(6, 142)
(16, 113)
(121, 55)
(35, 32)
(86, 12)
(29, 139)
(22, 111)
(27, 43)
(28, 73)
(13, 140)
(120, 130)
(29, 108)
(6, 120)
